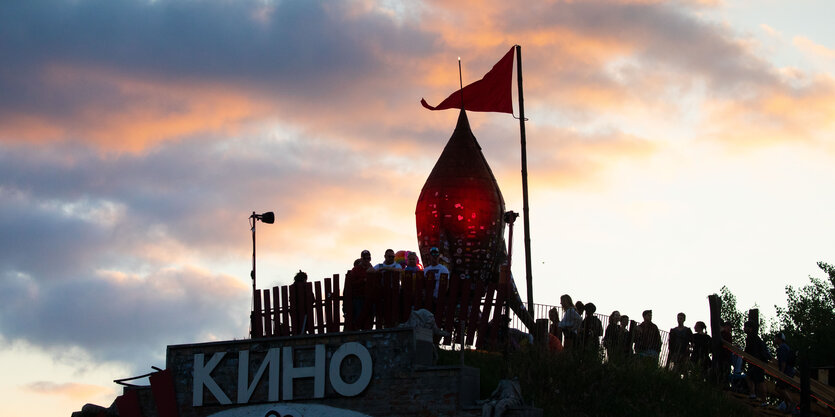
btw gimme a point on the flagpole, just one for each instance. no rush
(461, 83)
(525, 211)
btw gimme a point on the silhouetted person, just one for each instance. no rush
(570, 324)
(303, 304)
(701, 348)
(554, 325)
(554, 335)
(625, 341)
(365, 256)
(755, 376)
(355, 282)
(648, 338)
(725, 358)
(786, 359)
(435, 269)
(678, 347)
(611, 340)
(388, 264)
(592, 329)
(411, 263)
(580, 307)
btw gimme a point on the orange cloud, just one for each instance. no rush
(72, 390)
(775, 115)
(815, 49)
(136, 113)
(576, 159)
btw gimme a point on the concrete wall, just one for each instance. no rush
(403, 382)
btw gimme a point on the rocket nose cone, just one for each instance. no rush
(460, 208)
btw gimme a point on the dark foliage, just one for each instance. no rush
(808, 320)
(566, 384)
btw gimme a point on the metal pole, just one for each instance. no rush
(510, 219)
(715, 305)
(525, 211)
(254, 220)
(805, 389)
(461, 83)
(252, 275)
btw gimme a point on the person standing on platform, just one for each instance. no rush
(571, 323)
(648, 338)
(435, 269)
(701, 348)
(612, 338)
(302, 303)
(786, 359)
(388, 263)
(625, 341)
(412, 263)
(678, 348)
(592, 329)
(755, 376)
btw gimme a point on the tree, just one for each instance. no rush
(731, 314)
(809, 317)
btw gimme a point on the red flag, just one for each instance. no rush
(491, 93)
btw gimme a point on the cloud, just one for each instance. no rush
(799, 111)
(814, 49)
(574, 158)
(73, 390)
(115, 316)
(127, 75)
(349, 73)
(137, 136)
(117, 239)
(774, 33)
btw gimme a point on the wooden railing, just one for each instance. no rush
(387, 301)
(819, 391)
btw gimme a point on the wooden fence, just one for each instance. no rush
(387, 301)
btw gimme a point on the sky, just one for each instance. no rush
(674, 147)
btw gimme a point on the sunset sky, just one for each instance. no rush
(674, 147)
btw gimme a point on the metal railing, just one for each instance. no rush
(540, 311)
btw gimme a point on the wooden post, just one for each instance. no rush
(465, 305)
(442, 302)
(525, 211)
(754, 317)
(318, 308)
(407, 298)
(484, 319)
(336, 301)
(805, 391)
(276, 316)
(331, 319)
(540, 336)
(472, 322)
(308, 307)
(285, 311)
(715, 304)
(268, 324)
(257, 328)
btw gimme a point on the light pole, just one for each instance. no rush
(268, 218)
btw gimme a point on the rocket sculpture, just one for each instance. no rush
(461, 212)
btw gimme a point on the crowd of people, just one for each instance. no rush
(580, 330)
(688, 351)
(406, 261)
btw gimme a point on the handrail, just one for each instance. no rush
(121, 381)
(293, 309)
(820, 392)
